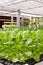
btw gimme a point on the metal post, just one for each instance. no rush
(22, 21)
(12, 19)
(30, 20)
(18, 18)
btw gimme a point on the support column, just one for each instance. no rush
(30, 20)
(22, 18)
(12, 19)
(18, 18)
(22, 21)
(34, 20)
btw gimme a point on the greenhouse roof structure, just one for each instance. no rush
(26, 7)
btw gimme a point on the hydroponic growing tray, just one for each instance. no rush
(27, 62)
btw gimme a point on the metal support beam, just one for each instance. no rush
(18, 18)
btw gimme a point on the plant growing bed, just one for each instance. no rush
(21, 44)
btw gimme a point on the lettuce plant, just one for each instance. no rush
(21, 44)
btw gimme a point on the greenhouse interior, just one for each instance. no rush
(21, 32)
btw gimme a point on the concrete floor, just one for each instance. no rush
(41, 63)
(1, 64)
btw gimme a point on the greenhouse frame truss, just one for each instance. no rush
(32, 7)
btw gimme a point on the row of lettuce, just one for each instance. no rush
(21, 44)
